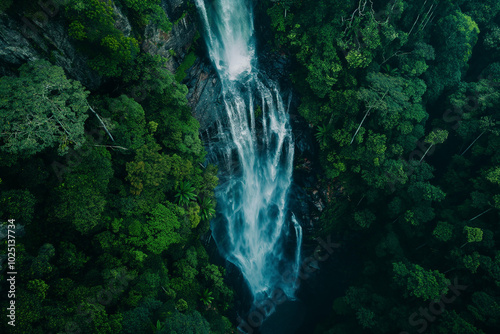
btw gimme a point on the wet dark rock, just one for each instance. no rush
(174, 8)
(205, 94)
(121, 21)
(276, 67)
(174, 45)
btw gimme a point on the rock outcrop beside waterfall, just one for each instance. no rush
(175, 44)
(205, 94)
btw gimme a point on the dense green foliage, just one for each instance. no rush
(111, 189)
(187, 63)
(406, 101)
(93, 23)
(41, 108)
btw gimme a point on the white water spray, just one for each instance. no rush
(255, 231)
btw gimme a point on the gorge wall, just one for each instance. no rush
(43, 35)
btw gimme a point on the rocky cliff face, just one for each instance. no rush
(23, 39)
(173, 45)
(205, 95)
(44, 35)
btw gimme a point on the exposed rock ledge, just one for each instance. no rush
(23, 40)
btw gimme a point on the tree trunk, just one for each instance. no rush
(366, 114)
(428, 17)
(426, 153)
(416, 20)
(473, 142)
(100, 120)
(111, 146)
(479, 215)
(422, 245)
(359, 127)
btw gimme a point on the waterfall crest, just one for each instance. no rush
(254, 229)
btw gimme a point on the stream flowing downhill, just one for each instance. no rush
(254, 229)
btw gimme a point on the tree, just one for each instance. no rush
(435, 137)
(92, 22)
(181, 305)
(71, 259)
(19, 204)
(474, 234)
(443, 231)
(417, 281)
(206, 297)
(185, 193)
(452, 323)
(148, 170)
(81, 198)
(213, 276)
(164, 101)
(390, 245)
(40, 265)
(458, 33)
(322, 134)
(159, 231)
(471, 262)
(136, 320)
(38, 287)
(41, 108)
(483, 11)
(207, 209)
(415, 63)
(154, 173)
(364, 218)
(365, 317)
(485, 308)
(192, 323)
(129, 122)
(486, 124)
(397, 102)
(149, 11)
(323, 70)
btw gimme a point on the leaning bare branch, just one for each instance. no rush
(103, 125)
(479, 215)
(113, 147)
(475, 140)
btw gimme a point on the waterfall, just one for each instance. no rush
(254, 229)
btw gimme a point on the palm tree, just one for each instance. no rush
(322, 134)
(206, 297)
(185, 193)
(207, 210)
(159, 326)
(389, 70)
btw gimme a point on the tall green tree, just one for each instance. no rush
(40, 109)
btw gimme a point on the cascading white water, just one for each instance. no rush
(254, 231)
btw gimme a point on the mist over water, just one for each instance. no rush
(255, 229)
